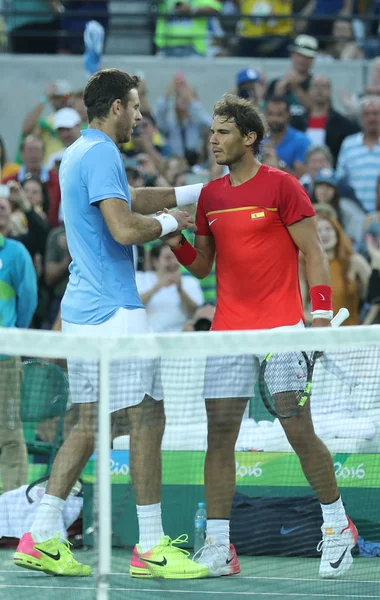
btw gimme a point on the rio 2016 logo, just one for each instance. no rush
(250, 471)
(349, 472)
(118, 469)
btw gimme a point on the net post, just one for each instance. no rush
(103, 482)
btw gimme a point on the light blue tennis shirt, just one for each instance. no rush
(102, 275)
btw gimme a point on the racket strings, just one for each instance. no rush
(285, 378)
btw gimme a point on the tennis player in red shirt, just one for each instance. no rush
(253, 222)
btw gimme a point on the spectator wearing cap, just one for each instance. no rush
(295, 83)
(67, 124)
(57, 95)
(182, 34)
(359, 156)
(32, 153)
(250, 85)
(348, 212)
(286, 147)
(326, 126)
(260, 34)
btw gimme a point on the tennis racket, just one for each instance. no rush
(280, 373)
(37, 489)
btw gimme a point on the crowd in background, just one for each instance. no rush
(347, 29)
(335, 155)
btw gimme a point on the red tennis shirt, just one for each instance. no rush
(256, 258)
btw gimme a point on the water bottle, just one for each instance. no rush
(200, 522)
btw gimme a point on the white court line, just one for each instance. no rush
(318, 579)
(164, 591)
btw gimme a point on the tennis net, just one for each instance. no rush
(275, 513)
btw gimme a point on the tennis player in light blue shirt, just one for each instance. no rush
(102, 277)
(103, 220)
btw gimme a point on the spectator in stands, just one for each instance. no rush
(147, 139)
(349, 271)
(32, 151)
(180, 34)
(170, 298)
(173, 166)
(37, 194)
(182, 119)
(375, 216)
(18, 300)
(373, 294)
(77, 103)
(73, 26)
(251, 85)
(351, 101)
(326, 126)
(7, 169)
(347, 210)
(34, 238)
(260, 34)
(323, 27)
(201, 319)
(294, 85)
(343, 45)
(32, 24)
(67, 125)
(58, 95)
(286, 147)
(57, 260)
(359, 156)
(135, 177)
(150, 172)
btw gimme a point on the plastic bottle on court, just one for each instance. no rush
(200, 522)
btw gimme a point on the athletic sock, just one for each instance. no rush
(46, 522)
(150, 526)
(218, 532)
(334, 515)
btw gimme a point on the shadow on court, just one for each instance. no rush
(261, 579)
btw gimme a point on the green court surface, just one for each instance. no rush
(261, 579)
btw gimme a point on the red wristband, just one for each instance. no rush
(186, 253)
(321, 297)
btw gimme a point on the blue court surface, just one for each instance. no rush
(262, 578)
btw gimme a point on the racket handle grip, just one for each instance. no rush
(340, 317)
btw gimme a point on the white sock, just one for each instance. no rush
(150, 526)
(46, 522)
(334, 515)
(218, 532)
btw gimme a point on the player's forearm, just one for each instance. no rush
(200, 267)
(147, 201)
(317, 267)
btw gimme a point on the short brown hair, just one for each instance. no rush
(246, 117)
(104, 87)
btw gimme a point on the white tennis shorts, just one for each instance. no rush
(236, 376)
(130, 380)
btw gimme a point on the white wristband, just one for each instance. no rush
(188, 194)
(168, 223)
(323, 314)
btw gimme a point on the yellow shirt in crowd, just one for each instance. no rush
(254, 27)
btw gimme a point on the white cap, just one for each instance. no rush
(66, 118)
(305, 45)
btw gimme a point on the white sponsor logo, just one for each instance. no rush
(211, 222)
(118, 469)
(250, 471)
(322, 296)
(349, 472)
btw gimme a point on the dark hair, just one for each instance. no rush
(148, 116)
(335, 201)
(156, 250)
(279, 100)
(247, 118)
(45, 193)
(104, 88)
(3, 154)
(31, 138)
